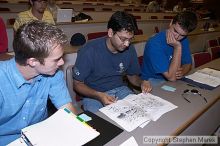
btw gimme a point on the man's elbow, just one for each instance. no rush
(171, 78)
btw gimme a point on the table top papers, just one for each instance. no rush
(206, 76)
(135, 110)
(62, 128)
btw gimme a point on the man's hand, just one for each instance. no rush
(106, 99)
(171, 40)
(145, 86)
(179, 73)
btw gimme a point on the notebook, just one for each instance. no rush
(64, 15)
(62, 128)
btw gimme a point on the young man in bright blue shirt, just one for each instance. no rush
(167, 54)
(30, 78)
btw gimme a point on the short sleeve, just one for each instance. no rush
(59, 93)
(84, 64)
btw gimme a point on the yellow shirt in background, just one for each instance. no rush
(26, 16)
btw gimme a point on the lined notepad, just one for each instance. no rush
(62, 128)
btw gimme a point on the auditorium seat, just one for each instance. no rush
(139, 32)
(212, 43)
(88, 9)
(76, 99)
(167, 17)
(214, 51)
(5, 9)
(95, 35)
(140, 60)
(137, 17)
(11, 21)
(156, 29)
(106, 9)
(153, 17)
(200, 58)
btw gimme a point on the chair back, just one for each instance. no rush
(140, 60)
(139, 32)
(76, 100)
(212, 43)
(95, 35)
(201, 58)
(215, 52)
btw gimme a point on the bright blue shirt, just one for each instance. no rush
(23, 103)
(102, 70)
(158, 55)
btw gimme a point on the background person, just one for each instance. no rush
(37, 11)
(102, 63)
(30, 78)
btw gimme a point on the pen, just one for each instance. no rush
(186, 99)
(205, 99)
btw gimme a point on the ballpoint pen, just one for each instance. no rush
(205, 99)
(186, 99)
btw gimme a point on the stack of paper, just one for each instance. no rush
(206, 76)
(62, 128)
(135, 110)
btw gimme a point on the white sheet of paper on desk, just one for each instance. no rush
(134, 110)
(61, 128)
(206, 76)
(129, 142)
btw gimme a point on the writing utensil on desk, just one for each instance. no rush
(186, 99)
(205, 99)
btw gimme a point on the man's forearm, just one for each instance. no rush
(174, 65)
(83, 89)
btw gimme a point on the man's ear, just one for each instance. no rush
(110, 32)
(32, 62)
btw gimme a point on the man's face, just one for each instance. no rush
(39, 5)
(52, 62)
(121, 40)
(178, 32)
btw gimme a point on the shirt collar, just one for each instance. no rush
(17, 76)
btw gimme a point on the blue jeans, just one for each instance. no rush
(94, 105)
(156, 82)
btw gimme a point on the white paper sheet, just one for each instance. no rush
(206, 76)
(134, 110)
(62, 128)
(129, 142)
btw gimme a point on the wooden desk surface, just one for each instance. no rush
(195, 118)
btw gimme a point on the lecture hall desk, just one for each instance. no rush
(195, 118)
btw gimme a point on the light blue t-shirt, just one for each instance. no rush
(158, 55)
(102, 70)
(23, 103)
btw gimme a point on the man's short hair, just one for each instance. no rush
(121, 20)
(187, 20)
(36, 39)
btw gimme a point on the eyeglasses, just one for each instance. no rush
(192, 91)
(181, 35)
(124, 40)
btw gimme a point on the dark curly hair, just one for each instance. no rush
(187, 20)
(121, 20)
